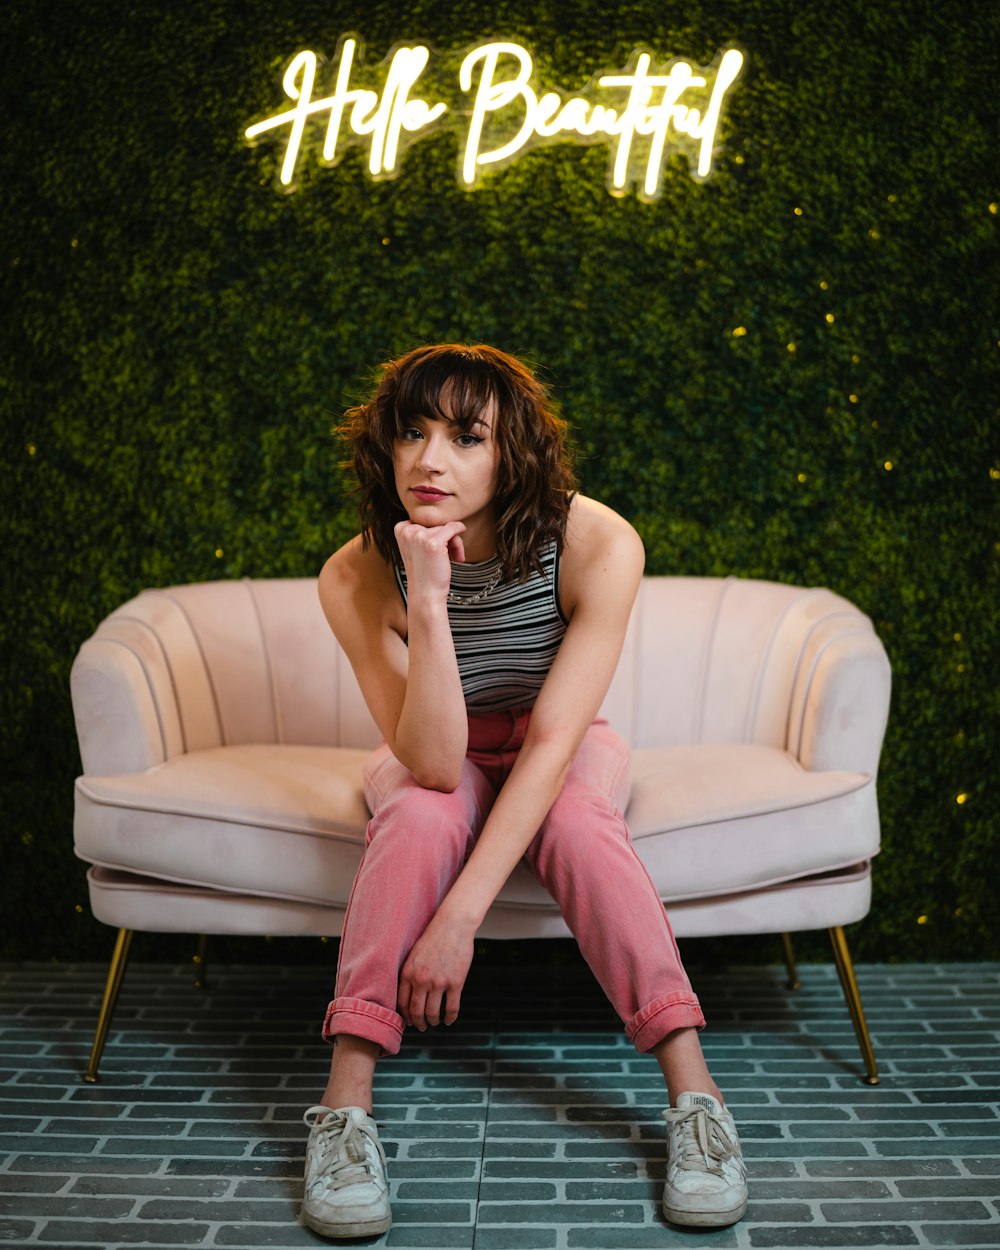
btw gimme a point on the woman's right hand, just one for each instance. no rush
(427, 552)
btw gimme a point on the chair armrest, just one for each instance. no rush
(126, 719)
(840, 701)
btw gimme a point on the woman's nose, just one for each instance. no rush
(431, 454)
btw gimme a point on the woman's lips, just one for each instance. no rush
(428, 493)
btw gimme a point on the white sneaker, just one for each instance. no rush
(706, 1177)
(347, 1194)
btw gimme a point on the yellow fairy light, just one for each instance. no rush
(386, 241)
(853, 398)
(921, 920)
(78, 907)
(797, 212)
(994, 472)
(855, 360)
(873, 233)
(892, 199)
(74, 242)
(219, 553)
(801, 477)
(830, 318)
(790, 346)
(875, 424)
(960, 798)
(31, 449)
(824, 285)
(888, 466)
(957, 637)
(737, 159)
(739, 332)
(993, 209)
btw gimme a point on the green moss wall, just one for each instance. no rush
(788, 371)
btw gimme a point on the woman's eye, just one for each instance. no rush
(468, 440)
(411, 434)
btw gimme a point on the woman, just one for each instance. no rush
(483, 608)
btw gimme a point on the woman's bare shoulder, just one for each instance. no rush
(356, 585)
(349, 563)
(603, 556)
(594, 530)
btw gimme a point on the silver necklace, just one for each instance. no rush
(491, 585)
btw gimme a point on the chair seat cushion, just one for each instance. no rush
(744, 816)
(289, 821)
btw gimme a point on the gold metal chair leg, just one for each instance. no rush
(200, 961)
(790, 964)
(114, 982)
(845, 970)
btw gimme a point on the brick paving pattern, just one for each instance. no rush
(529, 1125)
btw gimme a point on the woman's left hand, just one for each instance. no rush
(430, 984)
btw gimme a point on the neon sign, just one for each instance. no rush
(641, 110)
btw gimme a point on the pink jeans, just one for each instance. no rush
(418, 841)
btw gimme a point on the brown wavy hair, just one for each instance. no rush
(535, 477)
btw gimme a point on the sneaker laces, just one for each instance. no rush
(703, 1142)
(340, 1149)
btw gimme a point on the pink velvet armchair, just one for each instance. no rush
(222, 735)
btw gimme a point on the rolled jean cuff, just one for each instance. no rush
(663, 1015)
(366, 1020)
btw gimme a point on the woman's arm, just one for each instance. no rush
(412, 687)
(432, 731)
(600, 574)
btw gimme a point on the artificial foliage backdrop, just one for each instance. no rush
(790, 370)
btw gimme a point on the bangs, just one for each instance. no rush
(445, 385)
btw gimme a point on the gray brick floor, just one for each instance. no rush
(529, 1124)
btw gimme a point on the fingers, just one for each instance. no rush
(453, 1003)
(403, 996)
(433, 535)
(427, 552)
(432, 1008)
(433, 975)
(456, 549)
(421, 1008)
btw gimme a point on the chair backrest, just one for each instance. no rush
(723, 660)
(215, 664)
(230, 662)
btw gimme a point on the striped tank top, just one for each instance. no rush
(506, 641)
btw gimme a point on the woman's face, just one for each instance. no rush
(444, 473)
